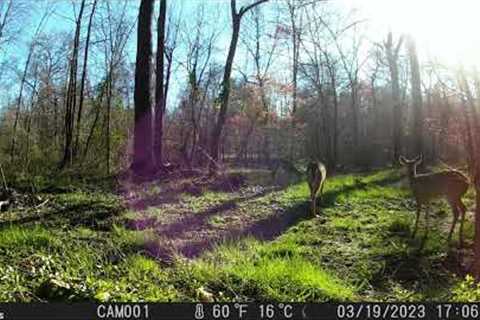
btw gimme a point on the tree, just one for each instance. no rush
(84, 76)
(159, 85)
(416, 95)
(71, 94)
(392, 52)
(31, 51)
(116, 30)
(262, 57)
(12, 18)
(142, 144)
(225, 91)
(319, 69)
(199, 50)
(295, 34)
(471, 140)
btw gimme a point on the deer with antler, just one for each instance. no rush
(449, 184)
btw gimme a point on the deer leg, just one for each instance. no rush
(463, 210)
(416, 220)
(454, 207)
(426, 222)
(321, 192)
(314, 204)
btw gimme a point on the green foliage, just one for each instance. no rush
(467, 290)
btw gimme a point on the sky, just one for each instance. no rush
(444, 30)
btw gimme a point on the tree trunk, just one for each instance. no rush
(19, 102)
(84, 76)
(159, 85)
(225, 93)
(108, 117)
(71, 97)
(355, 118)
(392, 57)
(475, 268)
(142, 144)
(95, 121)
(416, 97)
(471, 136)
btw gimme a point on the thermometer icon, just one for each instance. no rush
(199, 314)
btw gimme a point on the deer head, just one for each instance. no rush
(411, 164)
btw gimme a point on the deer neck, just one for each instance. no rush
(412, 175)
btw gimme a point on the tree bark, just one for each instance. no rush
(471, 136)
(416, 96)
(392, 57)
(142, 144)
(224, 95)
(71, 97)
(84, 76)
(159, 85)
(295, 45)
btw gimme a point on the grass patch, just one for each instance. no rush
(255, 271)
(360, 248)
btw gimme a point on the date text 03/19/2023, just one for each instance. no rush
(408, 311)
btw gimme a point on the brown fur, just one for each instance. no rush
(316, 175)
(448, 184)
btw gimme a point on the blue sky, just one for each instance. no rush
(443, 29)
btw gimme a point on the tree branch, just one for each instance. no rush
(243, 10)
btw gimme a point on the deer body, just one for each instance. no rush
(449, 184)
(316, 175)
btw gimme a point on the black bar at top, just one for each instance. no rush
(238, 311)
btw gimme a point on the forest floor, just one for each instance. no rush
(190, 239)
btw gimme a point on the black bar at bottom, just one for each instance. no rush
(238, 311)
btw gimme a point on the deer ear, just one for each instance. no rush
(402, 160)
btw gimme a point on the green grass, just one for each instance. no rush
(40, 264)
(257, 271)
(362, 238)
(360, 248)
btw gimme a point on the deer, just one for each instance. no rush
(316, 175)
(448, 184)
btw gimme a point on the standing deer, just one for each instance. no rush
(450, 184)
(316, 174)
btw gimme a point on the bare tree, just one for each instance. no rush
(225, 91)
(262, 56)
(295, 34)
(71, 95)
(416, 95)
(12, 13)
(321, 67)
(159, 85)
(23, 80)
(200, 45)
(83, 79)
(392, 51)
(143, 161)
(115, 31)
(471, 138)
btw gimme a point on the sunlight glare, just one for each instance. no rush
(444, 29)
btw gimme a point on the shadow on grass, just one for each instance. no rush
(196, 185)
(94, 214)
(200, 236)
(421, 265)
